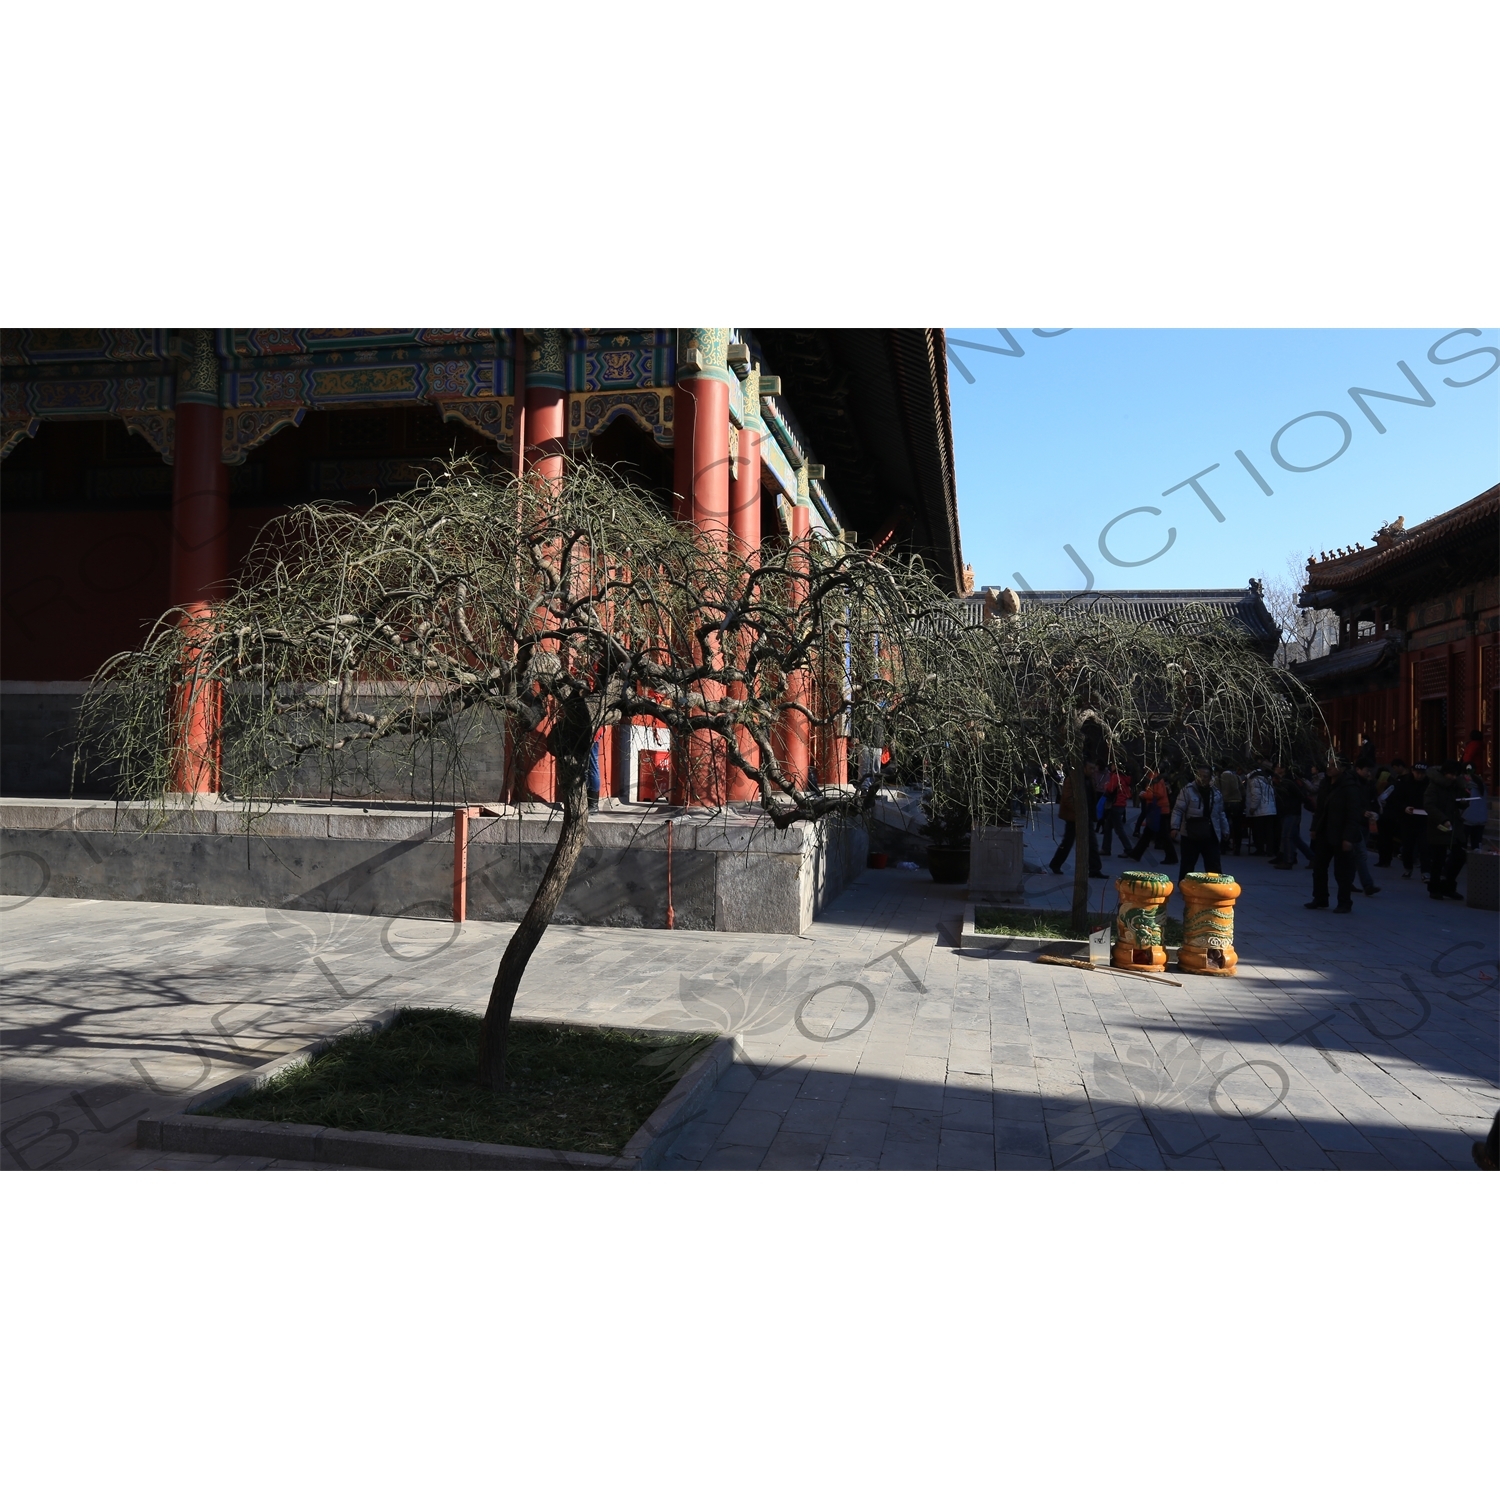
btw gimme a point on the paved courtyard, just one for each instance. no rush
(1359, 1042)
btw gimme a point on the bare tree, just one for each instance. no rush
(557, 608)
(1072, 685)
(1305, 633)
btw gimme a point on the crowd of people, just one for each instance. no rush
(1428, 817)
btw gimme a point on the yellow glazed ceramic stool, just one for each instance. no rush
(1138, 944)
(1208, 925)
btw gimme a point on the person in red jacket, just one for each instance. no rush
(1116, 793)
(1156, 805)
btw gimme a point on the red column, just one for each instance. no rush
(704, 784)
(744, 496)
(518, 392)
(744, 537)
(684, 405)
(711, 458)
(546, 418)
(546, 431)
(1404, 711)
(833, 764)
(515, 741)
(199, 564)
(796, 734)
(605, 741)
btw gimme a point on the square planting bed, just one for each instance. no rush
(399, 1092)
(1024, 929)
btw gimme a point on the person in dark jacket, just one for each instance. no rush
(1474, 808)
(1486, 1153)
(1444, 831)
(1067, 811)
(1289, 814)
(1389, 829)
(1232, 790)
(1338, 823)
(1406, 798)
(1366, 776)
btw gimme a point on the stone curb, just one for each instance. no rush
(645, 1149)
(190, 1130)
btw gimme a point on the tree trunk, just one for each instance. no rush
(573, 737)
(1083, 836)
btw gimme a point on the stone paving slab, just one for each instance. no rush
(1366, 1042)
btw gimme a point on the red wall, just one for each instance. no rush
(77, 586)
(81, 579)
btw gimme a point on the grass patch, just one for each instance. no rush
(1022, 923)
(570, 1088)
(1054, 924)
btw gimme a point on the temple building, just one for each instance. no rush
(1415, 666)
(1243, 609)
(138, 464)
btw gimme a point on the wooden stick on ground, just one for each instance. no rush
(1083, 963)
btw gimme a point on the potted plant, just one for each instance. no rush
(948, 829)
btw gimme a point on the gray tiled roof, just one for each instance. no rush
(1244, 607)
(1363, 657)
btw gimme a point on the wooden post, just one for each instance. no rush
(671, 915)
(461, 816)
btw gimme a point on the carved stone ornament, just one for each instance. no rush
(15, 429)
(495, 419)
(198, 369)
(650, 410)
(248, 427)
(159, 428)
(546, 358)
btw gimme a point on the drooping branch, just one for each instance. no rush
(558, 608)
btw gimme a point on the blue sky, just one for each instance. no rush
(1081, 427)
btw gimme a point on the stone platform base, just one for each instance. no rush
(731, 870)
(1482, 879)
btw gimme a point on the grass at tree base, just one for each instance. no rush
(1056, 924)
(569, 1088)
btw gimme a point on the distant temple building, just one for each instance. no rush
(1244, 608)
(1415, 667)
(140, 463)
